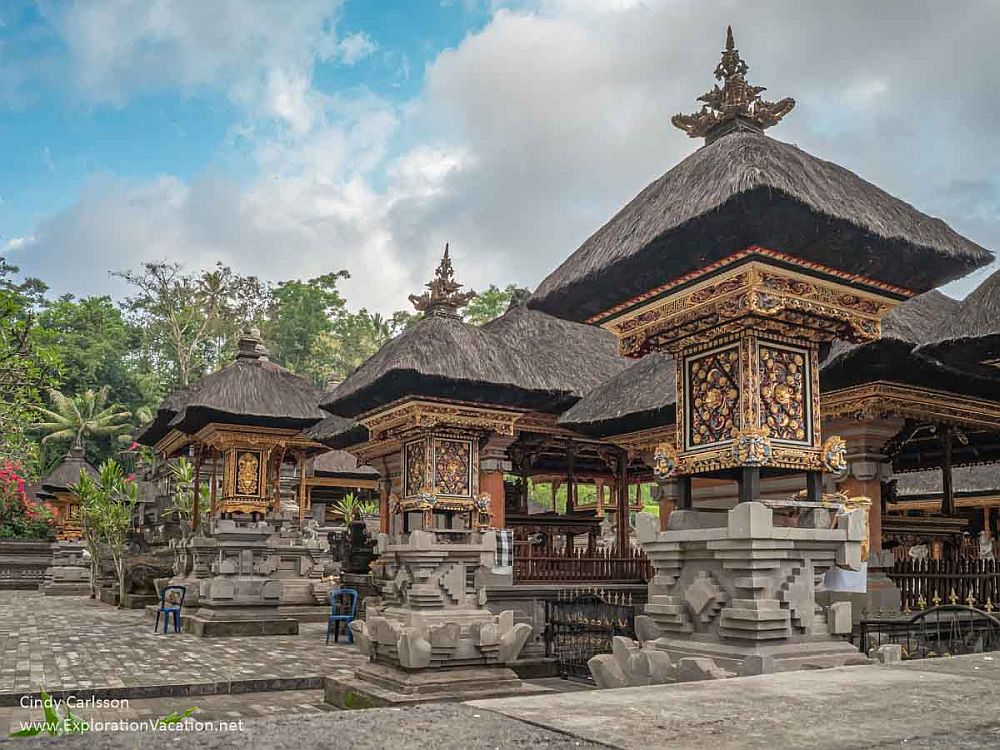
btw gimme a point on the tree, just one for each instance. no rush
(182, 474)
(86, 415)
(20, 518)
(192, 319)
(108, 503)
(492, 303)
(357, 337)
(26, 366)
(300, 324)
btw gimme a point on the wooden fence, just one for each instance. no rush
(582, 565)
(926, 583)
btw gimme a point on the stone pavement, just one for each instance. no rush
(76, 644)
(943, 703)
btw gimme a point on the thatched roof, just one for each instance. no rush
(338, 432)
(638, 398)
(67, 472)
(342, 464)
(746, 189)
(523, 359)
(966, 480)
(251, 390)
(643, 396)
(971, 336)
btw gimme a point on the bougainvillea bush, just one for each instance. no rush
(20, 517)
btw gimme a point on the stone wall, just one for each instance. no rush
(23, 562)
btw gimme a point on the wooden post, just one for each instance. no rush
(301, 460)
(622, 510)
(196, 511)
(684, 494)
(277, 480)
(211, 490)
(947, 486)
(599, 490)
(571, 479)
(749, 484)
(814, 486)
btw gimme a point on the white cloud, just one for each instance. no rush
(527, 136)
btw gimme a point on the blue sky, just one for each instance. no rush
(290, 139)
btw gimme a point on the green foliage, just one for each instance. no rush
(491, 303)
(20, 518)
(190, 320)
(83, 416)
(26, 364)
(300, 324)
(349, 507)
(358, 336)
(108, 503)
(182, 474)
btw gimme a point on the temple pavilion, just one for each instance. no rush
(756, 323)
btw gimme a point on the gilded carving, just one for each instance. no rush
(415, 460)
(248, 473)
(834, 454)
(665, 461)
(714, 396)
(452, 464)
(736, 100)
(783, 392)
(752, 447)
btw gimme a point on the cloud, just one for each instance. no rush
(526, 137)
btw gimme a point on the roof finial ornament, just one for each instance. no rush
(443, 299)
(735, 106)
(250, 345)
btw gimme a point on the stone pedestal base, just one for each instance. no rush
(222, 623)
(66, 589)
(376, 685)
(754, 659)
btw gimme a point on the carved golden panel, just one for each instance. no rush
(453, 467)
(713, 397)
(784, 379)
(415, 467)
(247, 473)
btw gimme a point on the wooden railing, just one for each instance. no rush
(924, 583)
(581, 566)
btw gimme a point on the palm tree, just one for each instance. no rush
(85, 415)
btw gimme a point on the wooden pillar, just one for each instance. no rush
(212, 492)
(571, 479)
(622, 509)
(300, 459)
(196, 511)
(814, 486)
(276, 505)
(749, 484)
(491, 483)
(555, 490)
(684, 495)
(599, 490)
(947, 484)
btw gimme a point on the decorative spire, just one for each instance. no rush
(735, 106)
(251, 346)
(443, 298)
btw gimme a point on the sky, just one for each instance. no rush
(290, 139)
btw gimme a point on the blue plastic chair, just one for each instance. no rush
(343, 606)
(173, 608)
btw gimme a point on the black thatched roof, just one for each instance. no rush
(747, 189)
(342, 464)
(643, 395)
(251, 390)
(971, 336)
(640, 397)
(523, 359)
(966, 480)
(338, 432)
(67, 472)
